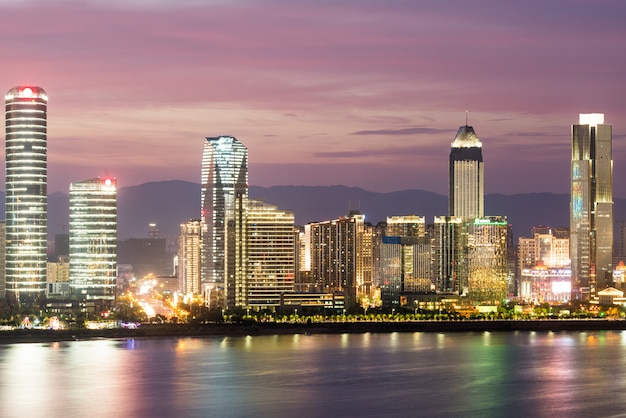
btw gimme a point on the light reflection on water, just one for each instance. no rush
(396, 374)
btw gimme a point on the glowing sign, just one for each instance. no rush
(27, 92)
(108, 182)
(577, 200)
(562, 287)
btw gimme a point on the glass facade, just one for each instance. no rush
(224, 202)
(93, 239)
(405, 259)
(487, 260)
(26, 194)
(450, 254)
(591, 206)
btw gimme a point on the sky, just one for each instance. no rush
(366, 93)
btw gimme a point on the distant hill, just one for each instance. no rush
(170, 203)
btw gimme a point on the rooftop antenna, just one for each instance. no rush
(466, 117)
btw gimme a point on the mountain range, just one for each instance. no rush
(170, 203)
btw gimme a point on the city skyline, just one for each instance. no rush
(365, 94)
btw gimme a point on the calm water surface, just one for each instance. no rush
(569, 374)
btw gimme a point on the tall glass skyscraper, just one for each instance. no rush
(591, 206)
(93, 239)
(466, 196)
(26, 194)
(224, 203)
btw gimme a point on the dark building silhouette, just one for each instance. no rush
(146, 255)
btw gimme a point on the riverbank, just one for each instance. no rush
(208, 330)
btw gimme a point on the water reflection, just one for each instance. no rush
(398, 374)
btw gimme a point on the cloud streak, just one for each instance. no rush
(403, 131)
(135, 87)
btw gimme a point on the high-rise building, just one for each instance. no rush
(450, 254)
(189, 265)
(224, 203)
(466, 181)
(93, 239)
(591, 206)
(405, 260)
(271, 255)
(341, 256)
(3, 249)
(622, 241)
(487, 259)
(545, 247)
(26, 194)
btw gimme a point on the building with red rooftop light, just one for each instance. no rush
(93, 239)
(26, 195)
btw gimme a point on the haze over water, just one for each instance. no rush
(400, 374)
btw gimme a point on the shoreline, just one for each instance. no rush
(254, 329)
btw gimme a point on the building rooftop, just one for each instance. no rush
(466, 138)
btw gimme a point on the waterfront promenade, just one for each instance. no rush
(272, 328)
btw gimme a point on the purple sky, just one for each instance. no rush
(361, 93)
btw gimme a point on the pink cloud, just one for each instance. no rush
(135, 89)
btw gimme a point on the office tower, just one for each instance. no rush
(622, 241)
(93, 239)
(340, 258)
(61, 245)
(224, 203)
(189, 255)
(544, 266)
(26, 195)
(487, 259)
(3, 249)
(450, 254)
(546, 247)
(405, 260)
(591, 206)
(466, 180)
(271, 255)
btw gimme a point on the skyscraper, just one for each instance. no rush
(467, 181)
(591, 206)
(271, 255)
(26, 194)
(487, 259)
(341, 256)
(93, 239)
(189, 257)
(450, 254)
(405, 259)
(224, 203)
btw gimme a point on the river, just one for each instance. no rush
(513, 374)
